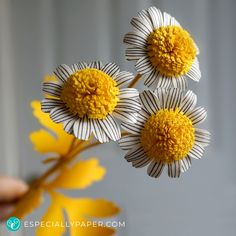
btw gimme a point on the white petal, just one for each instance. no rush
(144, 15)
(135, 153)
(161, 94)
(163, 82)
(179, 82)
(68, 125)
(125, 117)
(167, 19)
(52, 88)
(82, 128)
(149, 102)
(128, 105)
(61, 114)
(197, 116)
(127, 142)
(98, 132)
(155, 169)
(111, 69)
(111, 128)
(95, 64)
(144, 66)
(189, 102)
(63, 72)
(174, 169)
(133, 128)
(79, 66)
(128, 93)
(135, 53)
(136, 39)
(141, 162)
(194, 73)
(197, 151)
(185, 164)
(202, 136)
(173, 98)
(48, 104)
(141, 25)
(123, 78)
(156, 17)
(174, 22)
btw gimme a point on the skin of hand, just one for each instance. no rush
(11, 189)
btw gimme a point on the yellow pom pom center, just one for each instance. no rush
(90, 92)
(171, 50)
(168, 136)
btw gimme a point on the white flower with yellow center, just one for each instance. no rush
(165, 132)
(88, 98)
(164, 52)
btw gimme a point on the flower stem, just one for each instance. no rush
(134, 81)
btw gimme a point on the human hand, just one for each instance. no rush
(11, 189)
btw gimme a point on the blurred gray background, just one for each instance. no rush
(37, 35)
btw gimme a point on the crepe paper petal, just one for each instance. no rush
(174, 169)
(123, 78)
(63, 72)
(56, 142)
(189, 102)
(185, 164)
(197, 116)
(128, 141)
(194, 73)
(111, 69)
(83, 174)
(173, 98)
(128, 93)
(149, 102)
(28, 204)
(155, 169)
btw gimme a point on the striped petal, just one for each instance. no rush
(174, 169)
(111, 69)
(185, 163)
(98, 132)
(163, 82)
(197, 116)
(161, 94)
(143, 65)
(134, 128)
(156, 17)
(135, 153)
(63, 72)
(95, 64)
(144, 15)
(136, 38)
(141, 25)
(141, 162)
(149, 102)
(123, 78)
(194, 73)
(127, 142)
(202, 136)
(128, 93)
(135, 53)
(125, 117)
(68, 125)
(155, 169)
(110, 127)
(196, 152)
(61, 114)
(173, 98)
(189, 102)
(52, 88)
(151, 79)
(82, 128)
(167, 19)
(48, 104)
(78, 66)
(128, 105)
(179, 82)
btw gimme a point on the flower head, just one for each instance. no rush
(164, 52)
(165, 133)
(88, 97)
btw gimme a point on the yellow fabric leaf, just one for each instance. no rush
(27, 205)
(79, 210)
(43, 140)
(53, 214)
(79, 176)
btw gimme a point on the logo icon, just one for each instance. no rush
(13, 224)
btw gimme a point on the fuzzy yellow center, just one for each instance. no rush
(167, 136)
(91, 93)
(171, 50)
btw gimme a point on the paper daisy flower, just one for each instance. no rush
(164, 52)
(165, 133)
(88, 97)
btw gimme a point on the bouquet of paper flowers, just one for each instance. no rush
(84, 101)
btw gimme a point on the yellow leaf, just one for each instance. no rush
(50, 78)
(43, 140)
(80, 213)
(53, 214)
(81, 175)
(27, 205)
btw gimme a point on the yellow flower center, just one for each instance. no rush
(171, 50)
(167, 136)
(91, 93)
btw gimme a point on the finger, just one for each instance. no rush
(11, 188)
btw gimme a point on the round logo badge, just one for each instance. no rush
(13, 224)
